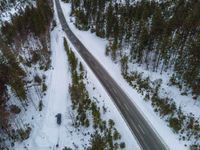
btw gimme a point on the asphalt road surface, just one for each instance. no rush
(145, 135)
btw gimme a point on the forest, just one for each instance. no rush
(161, 36)
(33, 20)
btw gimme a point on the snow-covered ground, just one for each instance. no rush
(46, 133)
(97, 46)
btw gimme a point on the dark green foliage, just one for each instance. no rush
(161, 35)
(175, 124)
(40, 105)
(165, 106)
(37, 79)
(44, 87)
(195, 146)
(116, 135)
(107, 139)
(11, 73)
(54, 24)
(66, 148)
(97, 142)
(87, 123)
(15, 109)
(33, 19)
(96, 115)
(71, 57)
(45, 59)
(124, 65)
(66, 1)
(23, 134)
(4, 114)
(122, 145)
(111, 123)
(81, 20)
(79, 94)
(35, 57)
(104, 137)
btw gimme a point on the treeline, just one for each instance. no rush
(7, 3)
(11, 75)
(158, 35)
(35, 20)
(106, 135)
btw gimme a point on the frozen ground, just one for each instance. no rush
(97, 45)
(46, 134)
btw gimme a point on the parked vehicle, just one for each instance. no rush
(59, 118)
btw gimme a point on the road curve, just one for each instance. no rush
(146, 137)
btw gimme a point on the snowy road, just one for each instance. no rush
(141, 129)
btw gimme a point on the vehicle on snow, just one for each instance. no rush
(59, 118)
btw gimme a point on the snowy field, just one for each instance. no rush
(46, 133)
(97, 46)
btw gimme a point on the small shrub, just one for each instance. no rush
(175, 124)
(195, 146)
(107, 51)
(116, 146)
(66, 1)
(44, 77)
(53, 25)
(37, 79)
(15, 109)
(40, 105)
(44, 87)
(28, 63)
(122, 145)
(111, 123)
(116, 135)
(24, 134)
(67, 148)
(35, 57)
(87, 123)
(42, 67)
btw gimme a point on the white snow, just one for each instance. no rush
(97, 46)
